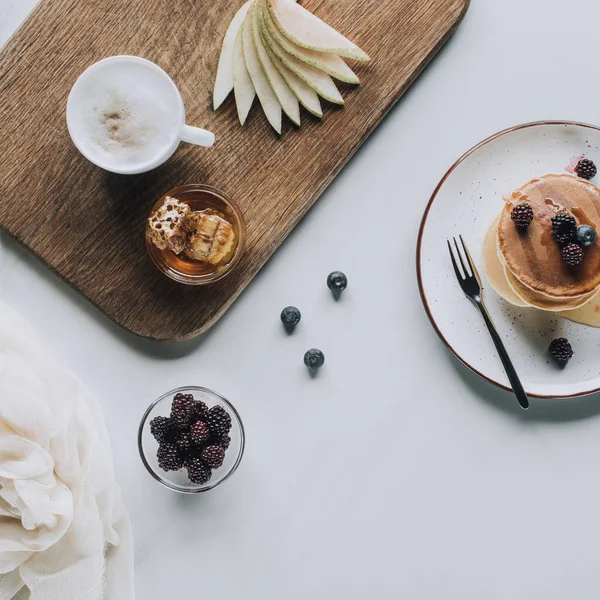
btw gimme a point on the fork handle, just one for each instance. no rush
(515, 382)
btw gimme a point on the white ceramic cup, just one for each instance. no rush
(146, 128)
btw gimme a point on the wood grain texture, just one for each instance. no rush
(88, 225)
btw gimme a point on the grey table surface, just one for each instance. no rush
(395, 470)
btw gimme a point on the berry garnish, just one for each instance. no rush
(199, 432)
(585, 235)
(198, 472)
(218, 421)
(314, 359)
(572, 255)
(290, 316)
(561, 350)
(160, 428)
(337, 281)
(169, 457)
(586, 169)
(522, 215)
(564, 227)
(213, 456)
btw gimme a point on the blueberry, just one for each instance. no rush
(337, 281)
(586, 235)
(314, 359)
(290, 316)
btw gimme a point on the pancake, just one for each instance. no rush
(544, 302)
(514, 292)
(494, 269)
(533, 257)
(588, 314)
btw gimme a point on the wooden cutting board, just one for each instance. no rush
(88, 225)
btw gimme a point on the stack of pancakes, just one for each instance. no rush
(525, 266)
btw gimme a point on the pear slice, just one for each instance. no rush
(308, 31)
(332, 64)
(287, 99)
(319, 81)
(266, 95)
(305, 94)
(243, 88)
(224, 78)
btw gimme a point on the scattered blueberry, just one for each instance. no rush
(314, 359)
(586, 235)
(290, 316)
(586, 169)
(337, 281)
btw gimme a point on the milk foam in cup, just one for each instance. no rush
(126, 116)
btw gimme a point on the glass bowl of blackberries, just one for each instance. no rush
(191, 439)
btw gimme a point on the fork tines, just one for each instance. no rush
(464, 267)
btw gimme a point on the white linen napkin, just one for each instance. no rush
(64, 532)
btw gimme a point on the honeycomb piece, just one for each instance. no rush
(168, 225)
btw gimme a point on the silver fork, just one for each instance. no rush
(471, 286)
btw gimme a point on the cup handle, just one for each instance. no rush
(197, 136)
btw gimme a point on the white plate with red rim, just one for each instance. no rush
(466, 201)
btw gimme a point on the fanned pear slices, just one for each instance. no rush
(332, 64)
(318, 80)
(307, 30)
(287, 99)
(305, 94)
(285, 55)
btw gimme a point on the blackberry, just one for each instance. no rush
(522, 215)
(218, 421)
(564, 227)
(224, 441)
(314, 359)
(213, 456)
(184, 443)
(585, 236)
(160, 428)
(181, 410)
(561, 350)
(337, 281)
(586, 169)
(199, 410)
(290, 316)
(199, 432)
(182, 401)
(181, 418)
(572, 255)
(169, 457)
(198, 472)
